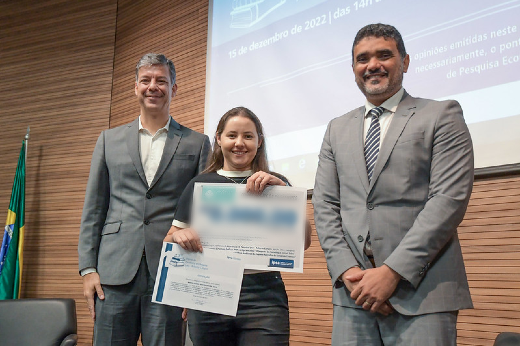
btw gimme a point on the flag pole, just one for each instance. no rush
(22, 234)
(26, 145)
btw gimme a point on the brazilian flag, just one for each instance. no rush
(11, 253)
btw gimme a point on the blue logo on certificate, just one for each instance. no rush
(281, 263)
(218, 193)
(177, 260)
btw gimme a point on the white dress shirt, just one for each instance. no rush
(385, 119)
(151, 148)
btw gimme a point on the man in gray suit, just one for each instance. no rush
(137, 174)
(393, 183)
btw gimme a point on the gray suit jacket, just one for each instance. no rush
(122, 215)
(418, 195)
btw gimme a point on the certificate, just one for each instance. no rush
(267, 231)
(200, 281)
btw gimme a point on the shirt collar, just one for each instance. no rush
(165, 127)
(389, 105)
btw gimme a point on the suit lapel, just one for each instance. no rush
(359, 151)
(172, 142)
(405, 110)
(132, 143)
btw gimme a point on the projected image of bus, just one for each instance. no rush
(247, 13)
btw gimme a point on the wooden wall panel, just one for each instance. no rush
(177, 29)
(310, 296)
(57, 62)
(490, 239)
(68, 71)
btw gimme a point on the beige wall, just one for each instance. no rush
(67, 71)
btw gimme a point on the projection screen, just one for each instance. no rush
(289, 61)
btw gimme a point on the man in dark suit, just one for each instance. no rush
(393, 183)
(137, 174)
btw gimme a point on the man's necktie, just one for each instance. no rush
(372, 140)
(371, 153)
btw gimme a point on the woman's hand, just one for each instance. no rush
(187, 238)
(258, 181)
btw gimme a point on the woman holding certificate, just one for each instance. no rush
(239, 157)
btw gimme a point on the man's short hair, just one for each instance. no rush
(380, 30)
(156, 59)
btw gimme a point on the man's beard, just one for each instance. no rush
(379, 88)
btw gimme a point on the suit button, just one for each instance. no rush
(148, 196)
(370, 206)
(360, 238)
(146, 222)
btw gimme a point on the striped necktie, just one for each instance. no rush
(371, 153)
(372, 140)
